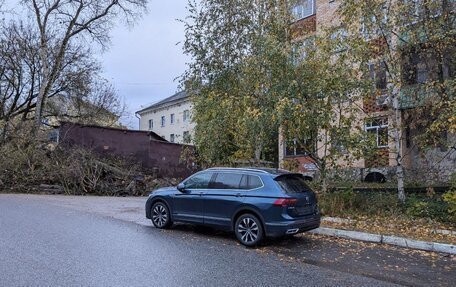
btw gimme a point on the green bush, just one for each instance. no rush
(421, 206)
(450, 198)
(351, 203)
(417, 208)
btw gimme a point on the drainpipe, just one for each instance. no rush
(139, 121)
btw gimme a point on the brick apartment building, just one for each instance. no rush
(434, 165)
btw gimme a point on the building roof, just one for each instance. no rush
(174, 98)
(151, 134)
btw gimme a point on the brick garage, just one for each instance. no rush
(147, 148)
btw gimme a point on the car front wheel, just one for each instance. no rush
(160, 215)
(249, 230)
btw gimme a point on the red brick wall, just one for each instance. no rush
(370, 105)
(303, 161)
(304, 27)
(147, 151)
(380, 158)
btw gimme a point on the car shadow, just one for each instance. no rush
(287, 242)
(291, 242)
(203, 230)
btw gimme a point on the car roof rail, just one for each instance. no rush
(238, 169)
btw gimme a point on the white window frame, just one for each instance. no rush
(374, 68)
(171, 119)
(377, 128)
(298, 10)
(186, 116)
(163, 121)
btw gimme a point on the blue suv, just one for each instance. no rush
(252, 202)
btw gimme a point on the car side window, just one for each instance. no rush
(244, 184)
(251, 182)
(254, 182)
(227, 181)
(199, 181)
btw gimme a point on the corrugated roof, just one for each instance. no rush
(174, 98)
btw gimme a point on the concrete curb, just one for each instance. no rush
(387, 239)
(348, 221)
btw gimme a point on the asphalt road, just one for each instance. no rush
(96, 241)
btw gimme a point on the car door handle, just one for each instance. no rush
(238, 195)
(201, 193)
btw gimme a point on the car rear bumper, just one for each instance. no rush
(276, 229)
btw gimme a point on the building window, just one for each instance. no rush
(186, 137)
(151, 124)
(302, 48)
(171, 120)
(408, 138)
(375, 25)
(163, 121)
(419, 67)
(377, 73)
(53, 136)
(295, 148)
(186, 116)
(171, 138)
(413, 7)
(379, 128)
(303, 9)
(338, 37)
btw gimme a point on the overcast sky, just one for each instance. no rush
(144, 61)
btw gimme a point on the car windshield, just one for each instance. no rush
(292, 183)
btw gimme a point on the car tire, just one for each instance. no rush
(160, 215)
(249, 230)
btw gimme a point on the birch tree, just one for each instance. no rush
(239, 70)
(413, 43)
(320, 116)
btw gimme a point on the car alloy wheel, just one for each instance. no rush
(249, 230)
(160, 215)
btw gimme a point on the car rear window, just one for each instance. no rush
(293, 183)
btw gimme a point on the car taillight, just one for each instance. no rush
(285, 202)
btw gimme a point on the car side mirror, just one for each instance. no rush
(181, 187)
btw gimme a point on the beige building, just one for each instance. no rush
(312, 16)
(170, 118)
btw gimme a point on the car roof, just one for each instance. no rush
(261, 170)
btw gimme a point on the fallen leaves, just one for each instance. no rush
(419, 229)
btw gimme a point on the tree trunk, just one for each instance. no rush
(397, 138)
(324, 184)
(4, 131)
(400, 183)
(258, 149)
(38, 110)
(43, 88)
(323, 178)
